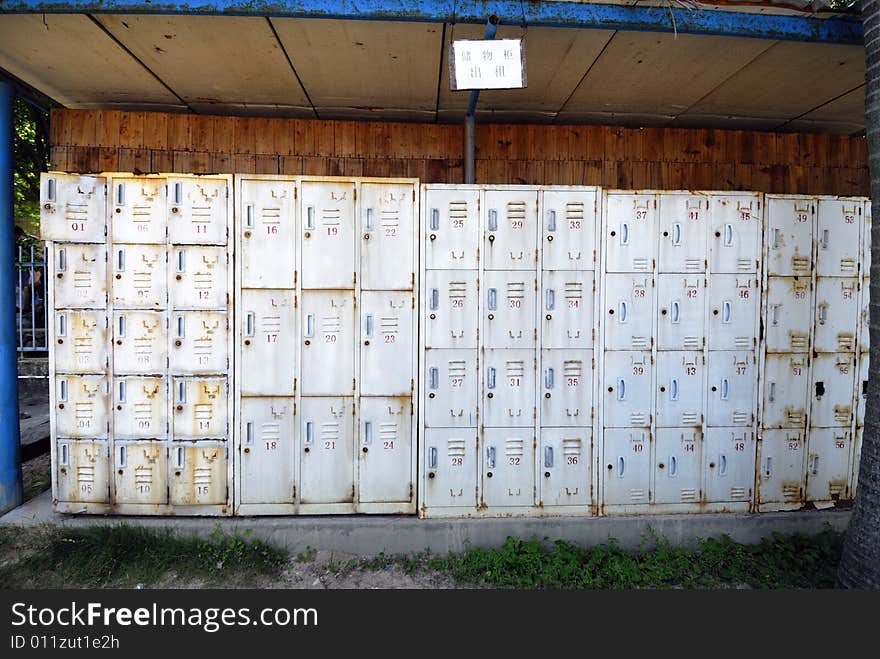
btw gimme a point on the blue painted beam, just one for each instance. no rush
(842, 29)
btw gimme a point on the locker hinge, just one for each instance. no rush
(295, 302)
(353, 385)
(294, 492)
(412, 409)
(227, 192)
(412, 280)
(352, 491)
(295, 276)
(294, 409)
(295, 192)
(414, 194)
(412, 300)
(411, 485)
(355, 194)
(354, 278)
(227, 493)
(105, 194)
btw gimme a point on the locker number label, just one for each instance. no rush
(457, 462)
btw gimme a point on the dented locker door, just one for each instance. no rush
(630, 232)
(628, 390)
(509, 303)
(781, 467)
(328, 345)
(199, 342)
(386, 343)
(728, 465)
(200, 407)
(832, 392)
(629, 312)
(327, 454)
(80, 276)
(199, 474)
(790, 236)
(73, 208)
(566, 466)
(140, 408)
(838, 235)
(140, 472)
(268, 350)
(198, 211)
(139, 276)
(452, 388)
(567, 381)
(569, 228)
(677, 465)
(139, 210)
(567, 299)
(508, 473)
(837, 314)
(83, 471)
(511, 228)
(789, 314)
(683, 221)
(508, 387)
(828, 464)
(786, 389)
(732, 379)
(82, 405)
(386, 449)
(733, 312)
(450, 468)
(328, 229)
(139, 342)
(681, 300)
(80, 341)
(387, 226)
(451, 301)
(452, 229)
(680, 388)
(198, 278)
(627, 467)
(267, 445)
(266, 222)
(735, 233)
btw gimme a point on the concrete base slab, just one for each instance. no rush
(363, 535)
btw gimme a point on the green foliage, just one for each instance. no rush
(31, 155)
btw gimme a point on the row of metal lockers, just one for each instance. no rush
(295, 345)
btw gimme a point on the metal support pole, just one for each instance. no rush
(469, 119)
(10, 442)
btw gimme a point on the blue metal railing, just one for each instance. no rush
(30, 299)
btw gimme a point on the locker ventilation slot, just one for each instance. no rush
(738, 493)
(741, 418)
(798, 342)
(638, 419)
(455, 448)
(516, 210)
(637, 495)
(458, 210)
(688, 494)
(791, 492)
(690, 418)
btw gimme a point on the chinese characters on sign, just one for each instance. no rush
(495, 64)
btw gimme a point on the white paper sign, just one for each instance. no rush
(494, 64)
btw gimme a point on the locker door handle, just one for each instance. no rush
(435, 219)
(120, 194)
(368, 324)
(676, 233)
(122, 391)
(181, 392)
(624, 233)
(249, 323)
(673, 389)
(310, 432)
(62, 324)
(310, 217)
(432, 457)
(62, 394)
(550, 301)
(310, 325)
(548, 457)
(433, 377)
(65, 456)
(725, 389)
(768, 466)
(825, 238)
(815, 468)
(368, 432)
(493, 219)
(181, 261)
(673, 465)
(725, 311)
(548, 378)
(621, 389)
(178, 457)
(62, 260)
(368, 219)
(775, 238)
(772, 396)
(722, 465)
(775, 319)
(120, 260)
(121, 456)
(621, 316)
(823, 313)
(435, 299)
(178, 193)
(122, 326)
(492, 301)
(490, 457)
(50, 189)
(249, 216)
(249, 432)
(551, 220)
(181, 327)
(675, 316)
(490, 377)
(621, 467)
(728, 235)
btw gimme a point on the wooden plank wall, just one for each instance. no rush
(653, 158)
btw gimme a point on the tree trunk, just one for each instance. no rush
(860, 564)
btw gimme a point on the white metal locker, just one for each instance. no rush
(328, 342)
(735, 233)
(728, 465)
(786, 385)
(569, 228)
(386, 450)
(198, 212)
(198, 277)
(789, 238)
(140, 472)
(452, 224)
(837, 314)
(680, 388)
(509, 304)
(683, 222)
(82, 405)
(139, 210)
(508, 387)
(781, 468)
(200, 407)
(789, 314)
(732, 378)
(629, 311)
(567, 309)
(386, 343)
(566, 466)
(327, 450)
(387, 225)
(140, 409)
(328, 230)
(630, 232)
(140, 343)
(266, 223)
(677, 465)
(864, 315)
(733, 311)
(268, 343)
(510, 219)
(452, 388)
(199, 473)
(566, 378)
(83, 470)
(681, 318)
(832, 393)
(838, 234)
(80, 276)
(73, 207)
(452, 309)
(139, 276)
(628, 390)
(627, 466)
(267, 450)
(508, 467)
(199, 341)
(450, 466)
(80, 341)
(828, 464)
